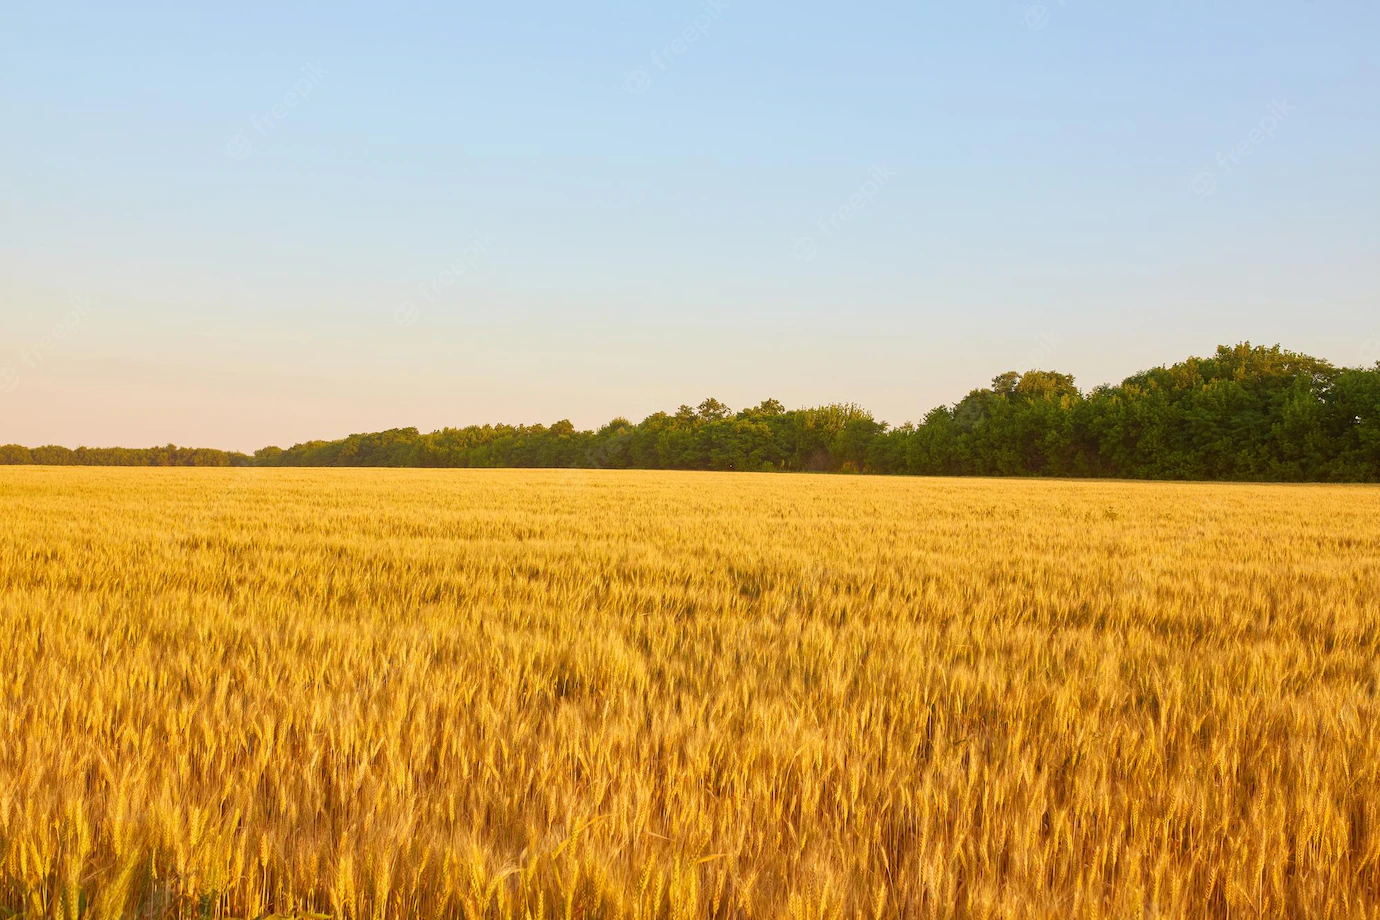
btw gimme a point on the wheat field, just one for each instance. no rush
(551, 694)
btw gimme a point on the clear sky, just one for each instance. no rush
(233, 225)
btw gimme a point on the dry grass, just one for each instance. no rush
(584, 694)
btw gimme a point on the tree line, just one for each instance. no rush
(172, 455)
(1246, 413)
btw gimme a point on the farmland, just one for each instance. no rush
(505, 693)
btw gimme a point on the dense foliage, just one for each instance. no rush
(53, 455)
(1244, 413)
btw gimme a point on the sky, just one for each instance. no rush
(236, 225)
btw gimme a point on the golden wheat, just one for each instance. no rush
(379, 694)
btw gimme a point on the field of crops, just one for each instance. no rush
(369, 693)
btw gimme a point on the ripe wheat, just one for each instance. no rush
(379, 694)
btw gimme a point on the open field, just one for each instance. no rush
(373, 693)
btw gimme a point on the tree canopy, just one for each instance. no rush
(1246, 413)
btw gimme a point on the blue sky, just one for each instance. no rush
(263, 223)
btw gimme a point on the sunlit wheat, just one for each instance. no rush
(386, 694)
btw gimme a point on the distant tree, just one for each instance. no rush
(712, 410)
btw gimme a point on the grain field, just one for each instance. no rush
(551, 694)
